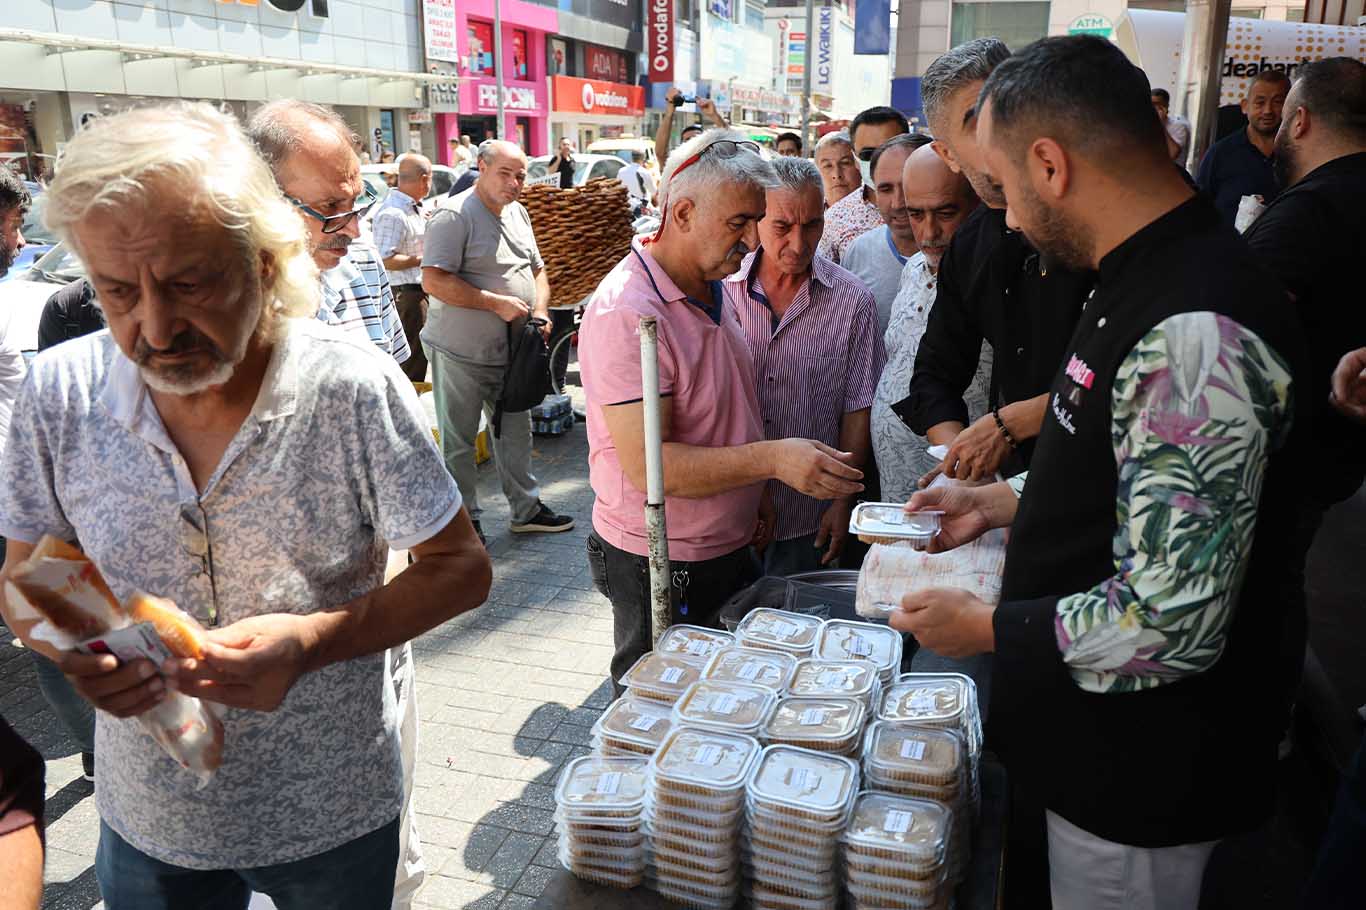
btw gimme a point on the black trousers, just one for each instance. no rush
(411, 302)
(624, 579)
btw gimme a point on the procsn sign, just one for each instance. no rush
(318, 8)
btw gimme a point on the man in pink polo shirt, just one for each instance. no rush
(716, 460)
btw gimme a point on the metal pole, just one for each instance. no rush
(806, 76)
(661, 613)
(1202, 55)
(498, 64)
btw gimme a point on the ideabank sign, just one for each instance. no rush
(317, 7)
(660, 41)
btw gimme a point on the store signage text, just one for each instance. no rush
(661, 40)
(515, 97)
(317, 7)
(593, 96)
(438, 26)
(1252, 69)
(823, 47)
(1091, 24)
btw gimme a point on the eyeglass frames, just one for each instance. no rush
(195, 543)
(334, 223)
(721, 148)
(865, 154)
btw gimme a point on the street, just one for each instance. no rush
(506, 695)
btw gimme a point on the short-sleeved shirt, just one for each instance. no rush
(1233, 168)
(398, 229)
(705, 368)
(357, 298)
(877, 262)
(820, 361)
(334, 465)
(846, 221)
(495, 253)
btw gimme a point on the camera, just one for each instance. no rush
(680, 100)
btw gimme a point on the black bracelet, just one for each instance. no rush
(1001, 425)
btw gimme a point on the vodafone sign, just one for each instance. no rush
(593, 96)
(659, 42)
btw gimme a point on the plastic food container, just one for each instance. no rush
(600, 803)
(934, 701)
(836, 678)
(929, 757)
(809, 786)
(897, 834)
(778, 630)
(703, 762)
(888, 521)
(662, 677)
(821, 724)
(595, 787)
(732, 707)
(756, 666)
(842, 639)
(696, 644)
(633, 725)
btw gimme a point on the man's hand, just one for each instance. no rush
(670, 94)
(768, 519)
(815, 469)
(509, 309)
(543, 313)
(969, 512)
(834, 528)
(123, 691)
(977, 452)
(1349, 385)
(707, 108)
(250, 664)
(949, 621)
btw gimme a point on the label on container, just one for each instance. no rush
(643, 723)
(812, 717)
(832, 679)
(923, 701)
(608, 784)
(708, 755)
(804, 780)
(781, 628)
(699, 648)
(671, 675)
(914, 749)
(898, 821)
(723, 703)
(858, 646)
(749, 670)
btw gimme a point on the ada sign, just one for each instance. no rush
(1091, 24)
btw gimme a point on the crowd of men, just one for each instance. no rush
(1159, 409)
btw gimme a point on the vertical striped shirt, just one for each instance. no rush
(820, 361)
(358, 300)
(398, 228)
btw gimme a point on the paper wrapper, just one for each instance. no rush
(891, 571)
(63, 602)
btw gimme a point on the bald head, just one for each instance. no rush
(494, 148)
(502, 173)
(414, 175)
(937, 201)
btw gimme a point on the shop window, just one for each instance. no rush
(1017, 24)
(479, 36)
(1294, 14)
(1246, 12)
(521, 45)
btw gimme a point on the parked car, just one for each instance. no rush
(623, 147)
(443, 178)
(586, 168)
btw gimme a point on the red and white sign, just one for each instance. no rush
(659, 43)
(593, 96)
(438, 26)
(601, 63)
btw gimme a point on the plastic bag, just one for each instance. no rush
(891, 571)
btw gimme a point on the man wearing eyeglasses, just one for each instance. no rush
(857, 214)
(716, 459)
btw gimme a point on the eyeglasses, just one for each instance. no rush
(721, 148)
(865, 154)
(334, 223)
(195, 543)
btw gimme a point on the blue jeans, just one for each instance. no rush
(797, 554)
(1339, 878)
(76, 714)
(358, 875)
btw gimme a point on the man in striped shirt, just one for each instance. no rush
(812, 330)
(399, 226)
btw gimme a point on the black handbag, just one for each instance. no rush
(526, 379)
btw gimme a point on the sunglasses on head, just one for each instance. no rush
(721, 148)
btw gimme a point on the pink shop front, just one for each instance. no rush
(526, 102)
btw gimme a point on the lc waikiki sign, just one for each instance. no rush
(318, 8)
(661, 41)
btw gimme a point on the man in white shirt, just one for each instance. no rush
(399, 228)
(14, 204)
(639, 183)
(1175, 125)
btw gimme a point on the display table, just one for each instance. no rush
(979, 891)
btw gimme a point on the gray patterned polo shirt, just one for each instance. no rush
(334, 465)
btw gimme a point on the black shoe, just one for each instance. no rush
(88, 766)
(480, 531)
(544, 521)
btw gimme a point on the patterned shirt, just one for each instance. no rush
(398, 228)
(90, 459)
(357, 297)
(846, 221)
(1191, 443)
(901, 455)
(813, 366)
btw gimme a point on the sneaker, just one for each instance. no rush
(480, 531)
(544, 521)
(88, 766)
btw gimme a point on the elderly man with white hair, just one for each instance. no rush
(181, 448)
(812, 330)
(716, 458)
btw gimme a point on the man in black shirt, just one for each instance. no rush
(992, 286)
(1240, 164)
(1146, 568)
(69, 313)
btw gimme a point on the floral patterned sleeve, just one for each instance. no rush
(1197, 405)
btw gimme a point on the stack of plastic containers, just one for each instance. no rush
(838, 678)
(947, 700)
(600, 803)
(842, 639)
(779, 630)
(797, 806)
(894, 849)
(821, 724)
(693, 816)
(632, 726)
(661, 677)
(770, 669)
(725, 706)
(693, 643)
(925, 762)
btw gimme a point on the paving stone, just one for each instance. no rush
(534, 881)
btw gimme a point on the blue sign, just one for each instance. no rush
(906, 98)
(872, 26)
(720, 8)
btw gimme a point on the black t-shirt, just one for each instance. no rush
(1314, 238)
(463, 182)
(566, 173)
(1233, 168)
(69, 313)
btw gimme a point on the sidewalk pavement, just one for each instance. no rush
(506, 696)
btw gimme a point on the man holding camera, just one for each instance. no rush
(674, 99)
